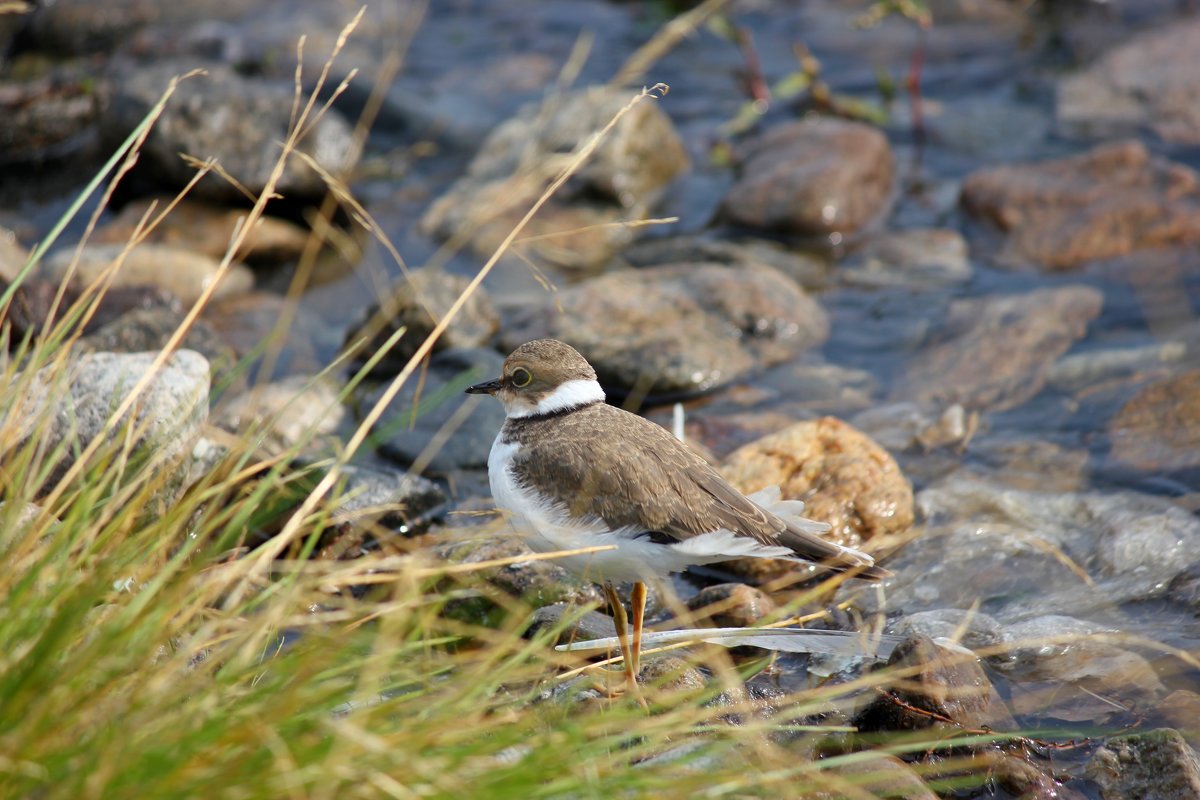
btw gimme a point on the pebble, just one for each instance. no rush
(1159, 428)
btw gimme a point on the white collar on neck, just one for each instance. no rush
(568, 395)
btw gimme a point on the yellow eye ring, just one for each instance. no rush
(521, 378)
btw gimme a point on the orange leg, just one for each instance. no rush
(621, 623)
(639, 612)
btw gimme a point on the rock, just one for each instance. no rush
(732, 605)
(166, 419)
(677, 329)
(1021, 777)
(908, 258)
(1152, 765)
(1023, 554)
(205, 229)
(948, 690)
(570, 623)
(814, 177)
(144, 329)
(875, 775)
(671, 676)
(180, 272)
(1184, 588)
(974, 630)
(843, 477)
(371, 501)
(1159, 428)
(537, 583)
(48, 117)
(287, 413)
(1076, 373)
(582, 225)
(994, 352)
(1181, 709)
(418, 303)
(12, 255)
(1107, 202)
(35, 297)
(1065, 668)
(1151, 81)
(237, 120)
(805, 269)
(435, 431)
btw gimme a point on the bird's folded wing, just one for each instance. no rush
(788, 640)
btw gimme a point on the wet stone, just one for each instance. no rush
(581, 627)
(181, 272)
(843, 477)
(1159, 428)
(1154, 765)
(812, 177)
(1024, 554)
(1107, 202)
(677, 329)
(994, 352)
(246, 321)
(879, 775)
(205, 229)
(1152, 81)
(442, 428)
(1076, 373)
(372, 498)
(240, 121)
(907, 258)
(732, 605)
(974, 630)
(417, 304)
(81, 26)
(950, 685)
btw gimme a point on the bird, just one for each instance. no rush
(573, 472)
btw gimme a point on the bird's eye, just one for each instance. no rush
(520, 377)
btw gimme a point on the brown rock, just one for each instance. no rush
(994, 352)
(1153, 765)
(181, 272)
(1107, 202)
(1159, 429)
(732, 605)
(34, 298)
(938, 687)
(843, 477)
(816, 176)
(679, 328)
(1181, 709)
(1153, 80)
(205, 229)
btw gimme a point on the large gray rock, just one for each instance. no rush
(163, 423)
(239, 121)
(678, 328)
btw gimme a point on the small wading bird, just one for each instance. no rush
(574, 472)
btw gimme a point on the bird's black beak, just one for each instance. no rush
(487, 387)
